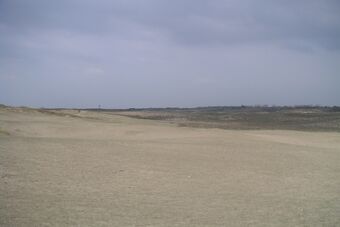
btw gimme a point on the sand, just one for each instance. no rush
(88, 168)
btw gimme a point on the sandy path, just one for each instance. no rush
(106, 170)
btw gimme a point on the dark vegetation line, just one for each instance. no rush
(207, 108)
(303, 118)
(215, 108)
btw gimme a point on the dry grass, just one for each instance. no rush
(269, 118)
(4, 132)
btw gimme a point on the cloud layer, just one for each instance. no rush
(142, 53)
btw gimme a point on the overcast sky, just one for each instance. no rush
(159, 53)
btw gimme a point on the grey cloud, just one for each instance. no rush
(189, 22)
(162, 53)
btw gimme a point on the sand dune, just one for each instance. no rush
(85, 168)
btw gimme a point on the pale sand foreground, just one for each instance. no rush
(107, 170)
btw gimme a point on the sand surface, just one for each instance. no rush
(100, 169)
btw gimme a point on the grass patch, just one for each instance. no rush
(284, 118)
(4, 132)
